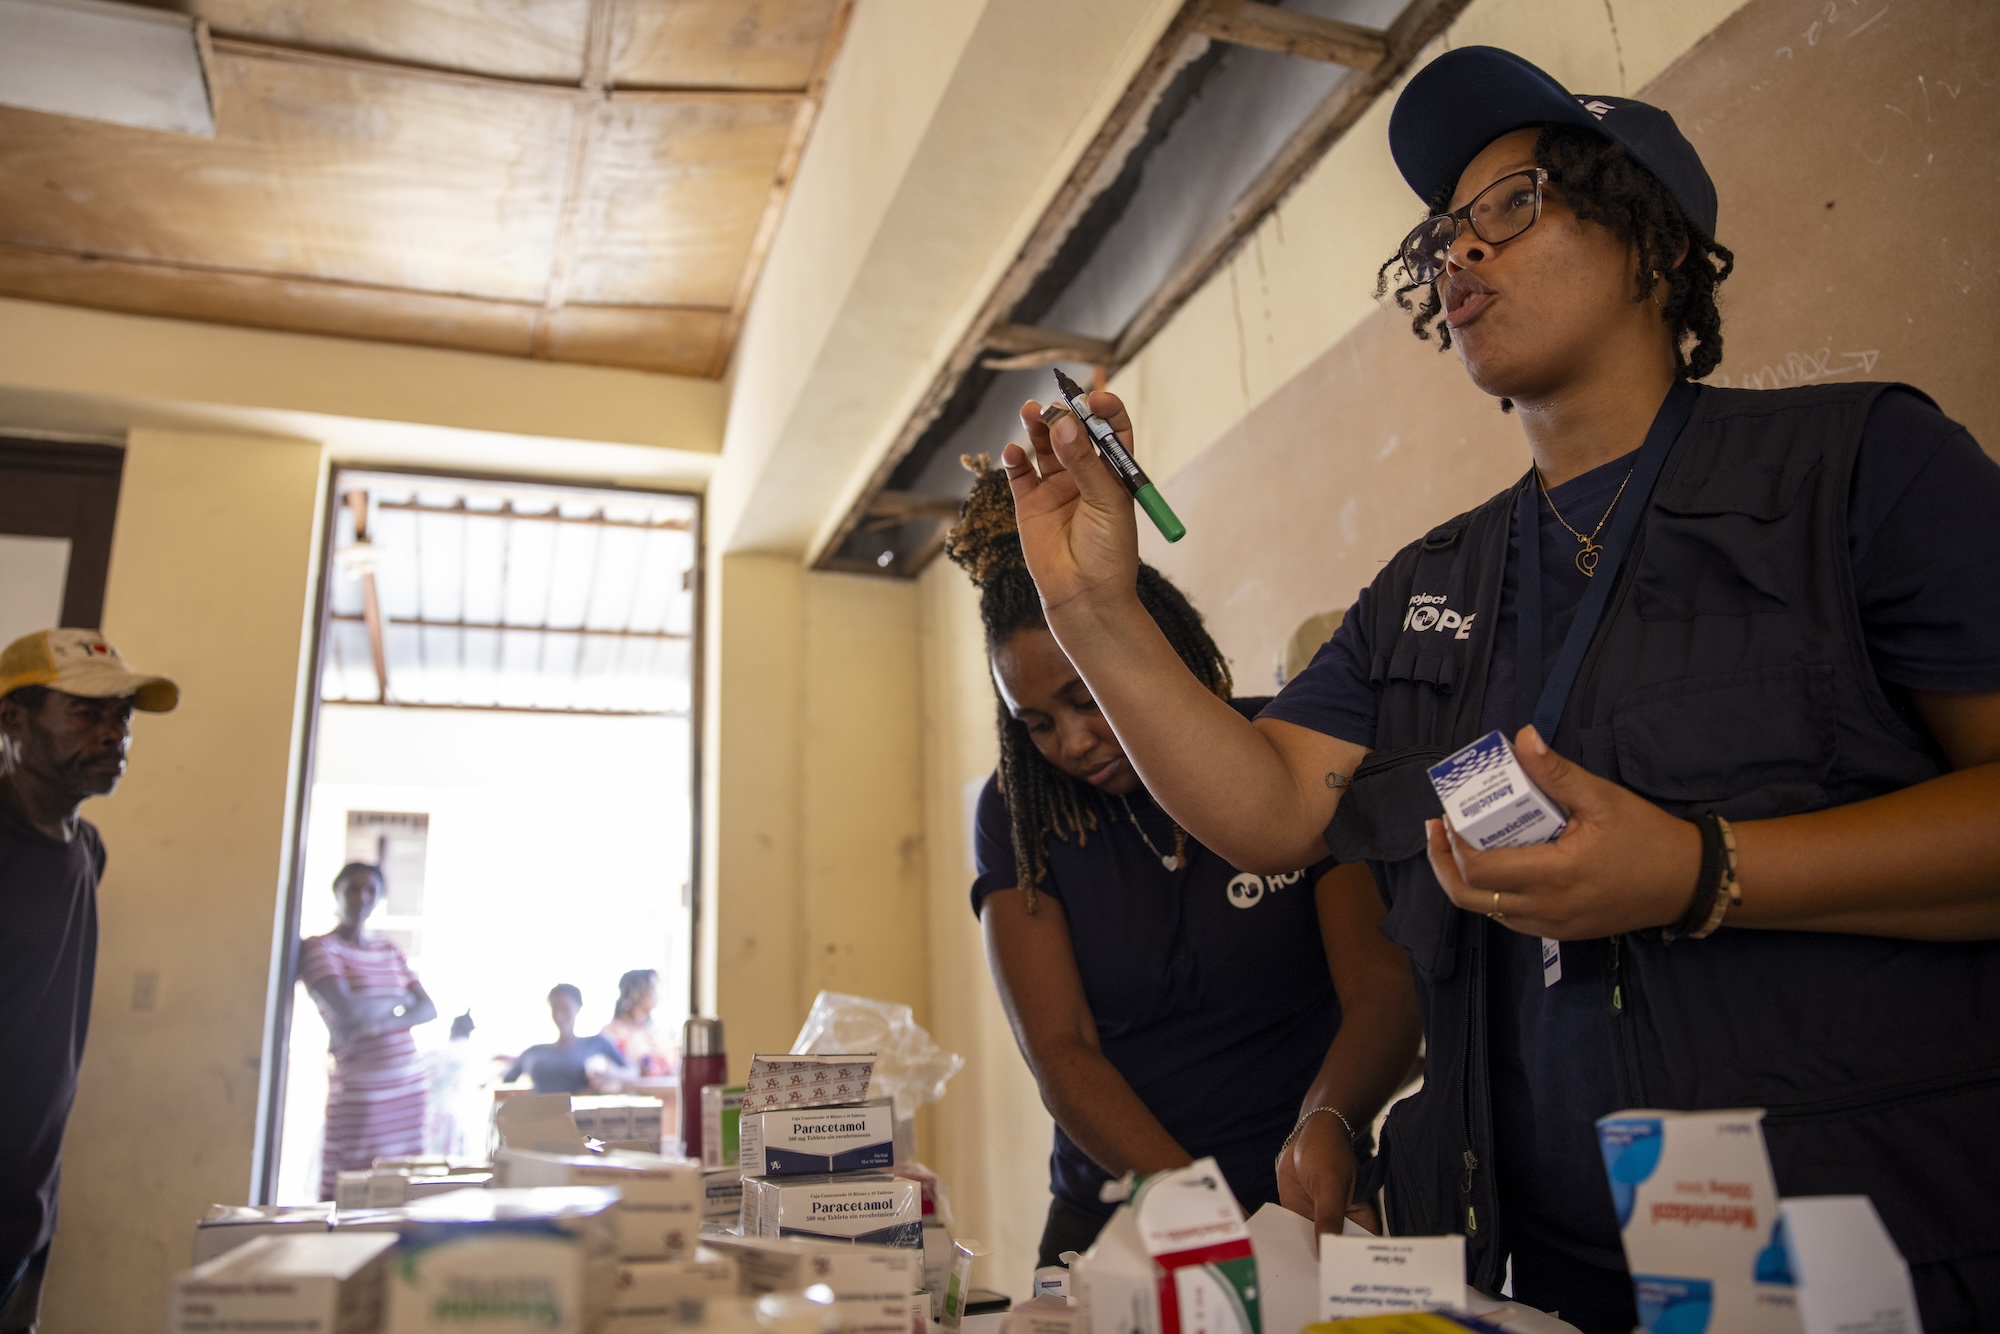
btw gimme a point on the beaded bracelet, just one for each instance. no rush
(1716, 888)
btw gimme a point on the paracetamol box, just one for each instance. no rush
(797, 1141)
(660, 1199)
(1489, 799)
(807, 1080)
(503, 1262)
(1698, 1210)
(304, 1281)
(870, 1207)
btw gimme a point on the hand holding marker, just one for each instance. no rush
(1122, 463)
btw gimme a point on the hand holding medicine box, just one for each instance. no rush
(1698, 1210)
(1489, 799)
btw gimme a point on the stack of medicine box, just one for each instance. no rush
(815, 1152)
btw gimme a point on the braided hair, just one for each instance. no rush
(1602, 184)
(1042, 799)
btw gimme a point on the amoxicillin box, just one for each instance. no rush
(1489, 799)
(797, 1141)
(870, 1207)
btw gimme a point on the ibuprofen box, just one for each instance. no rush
(537, 1261)
(660, 1199)
(1490, 800)
(797, 1141)
(306, 1281)
(1698, 1210)
(870, 1207)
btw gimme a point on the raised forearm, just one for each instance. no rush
(1219, 776)
(1097, 1109)
(1922, 863)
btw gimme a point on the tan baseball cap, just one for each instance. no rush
(80, 662)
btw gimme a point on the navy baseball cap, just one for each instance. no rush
(1465, 99)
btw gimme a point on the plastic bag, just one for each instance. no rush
(909, 1067)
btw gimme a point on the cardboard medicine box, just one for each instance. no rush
(304, 1281)
(872, 1286)
(796, 1141)
(1698, 1210)
(504, 1262)
(869, 1207)
(660, 1200)
(1490, 800)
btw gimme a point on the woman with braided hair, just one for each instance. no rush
(1171, 1006)
(1747, 640)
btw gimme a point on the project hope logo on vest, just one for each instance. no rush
(1247, 890)
(1428, 612)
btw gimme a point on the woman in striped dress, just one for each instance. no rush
(370, 1000)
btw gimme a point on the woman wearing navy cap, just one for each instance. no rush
(1750, 641)
(1171, 1006)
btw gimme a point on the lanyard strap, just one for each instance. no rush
(1544, 705)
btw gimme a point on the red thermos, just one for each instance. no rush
(702, 1063)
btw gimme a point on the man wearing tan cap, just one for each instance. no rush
(66, 701)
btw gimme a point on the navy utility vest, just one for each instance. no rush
(1729, 674)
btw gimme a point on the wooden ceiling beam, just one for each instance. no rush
(913, 505)
(1024, 347)
(1414, 29)
(1290, 33)
(586, 115)
(814, 95)
(254, 48)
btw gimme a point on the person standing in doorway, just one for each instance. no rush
(570, 1064)
(631, 1026)
(66, 702)
(375, 1102)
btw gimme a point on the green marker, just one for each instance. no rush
(1122, 462)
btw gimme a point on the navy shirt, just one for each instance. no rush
(560, 1069)
(48, 958)
(1924, 546)
(1208, 985)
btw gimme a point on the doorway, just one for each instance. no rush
(506, 679)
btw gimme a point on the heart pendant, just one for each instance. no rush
(1586, 559)
(1172, 863)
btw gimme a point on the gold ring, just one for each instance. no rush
(1496, 914)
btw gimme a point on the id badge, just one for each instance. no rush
(1552, 962)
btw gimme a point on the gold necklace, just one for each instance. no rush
(1586, 559)
(1171, 862)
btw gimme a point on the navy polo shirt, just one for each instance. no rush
(1922, 487)
(1209, 986)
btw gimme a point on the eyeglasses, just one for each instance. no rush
(1500, 212)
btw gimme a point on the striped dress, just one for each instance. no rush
(375, 1101)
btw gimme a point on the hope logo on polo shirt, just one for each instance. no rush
(1247, 890)
(1428, 612)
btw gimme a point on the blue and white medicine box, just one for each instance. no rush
(799, 1140)
(1489, 799)
(870, 1207)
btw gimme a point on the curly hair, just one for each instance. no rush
(1602, 184)
(1042, 799)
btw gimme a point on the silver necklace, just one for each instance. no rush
(1167, 859)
